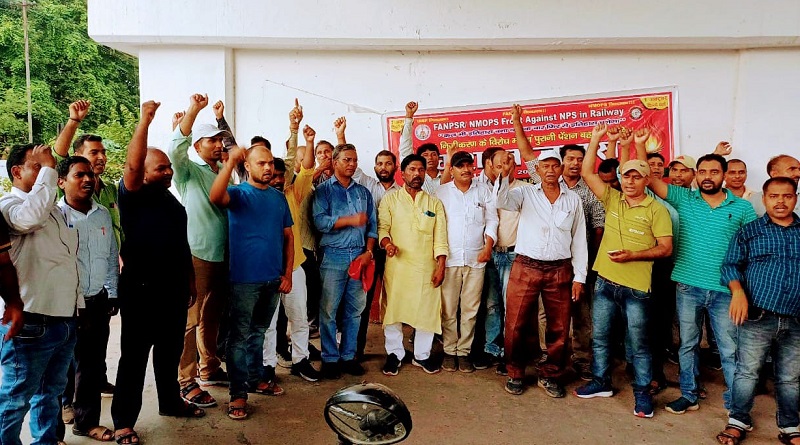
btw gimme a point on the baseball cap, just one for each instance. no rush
(548, 154)
(206, 131)
(461, 157)
(687, 161)
(635, 164)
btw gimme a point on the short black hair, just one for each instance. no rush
(279, 165)
(428, 147)
(66, 164)
(337, 150)
(256, 139)
(386, 153)
(731, 161)
(17, 156)
(488, 155)
(608, 165)
(656, 155)
(563, 150)
(779, 180)
(411, 158)
(714, 157)
(83, 139)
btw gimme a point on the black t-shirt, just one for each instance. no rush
(155, 251)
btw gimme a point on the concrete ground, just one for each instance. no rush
(447, 408)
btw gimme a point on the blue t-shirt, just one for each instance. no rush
(256, 219)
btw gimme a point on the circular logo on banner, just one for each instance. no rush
(423, 132)
(636, 113)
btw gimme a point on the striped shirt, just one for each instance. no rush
(704, 234)
(765, 258)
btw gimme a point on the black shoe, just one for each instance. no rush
(352, 367)
(331, 370)
(427, 365)
(514, 386)
(268, 373)
(501, 369)
(485, 361)
(304, 370)
(551, 388)
(392, 366)
(313, 353)
(583, 370)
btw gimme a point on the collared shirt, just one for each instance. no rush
(208, 224)
(765, 258)
(592, 208)
(509, 221)
(43, 249)
(431, 184)
(471, 216)
(332, 201)
(704, 235)
(548, 232)
(673, 216)
(633, 228)
(374, 186)
(98, 256)
(757, 200)
(296, 193)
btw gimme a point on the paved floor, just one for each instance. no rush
(447, 408)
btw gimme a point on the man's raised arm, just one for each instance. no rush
(77, 112)
(406, 142)
(591, 178)
(218, 194)
(133, 175)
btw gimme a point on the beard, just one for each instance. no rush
(715, 188)
(385, 176)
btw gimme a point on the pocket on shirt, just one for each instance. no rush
(475, 214)
(563, 220)
(427, 224)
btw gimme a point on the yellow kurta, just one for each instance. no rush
(419, 230)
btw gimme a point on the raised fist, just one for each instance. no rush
(219, 109)
(339, 125)
(309, 134)
(78, 110)
(411, 109)
(177, 118)
(198, 101)
(149, 111)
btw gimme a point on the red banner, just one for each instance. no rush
(548, 124)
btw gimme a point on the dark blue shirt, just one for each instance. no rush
(155, 249)
(256, 219)
(765, 258)
(332, 201)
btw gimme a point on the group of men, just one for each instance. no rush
(450, 254)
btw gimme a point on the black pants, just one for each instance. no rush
(151, 318)
(380, 265)
(313, 284)
(662, 313)
(93, 332)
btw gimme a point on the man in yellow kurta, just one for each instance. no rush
(413, 231)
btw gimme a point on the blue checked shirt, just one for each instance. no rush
(332, 201)
(765, 258)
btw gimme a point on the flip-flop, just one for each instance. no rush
(734, 439)
(786, 438)
(127, 436)
(96, 433)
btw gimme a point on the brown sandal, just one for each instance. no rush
(237, 411)
(126, 438)
(99, 432)
(726, 438)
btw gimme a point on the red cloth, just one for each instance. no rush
(367, 277)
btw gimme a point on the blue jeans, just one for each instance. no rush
(690, 302)
(634, 305)
(34, 366)
(338, 288)
(252, 306)
(496, 281)
(754, 340)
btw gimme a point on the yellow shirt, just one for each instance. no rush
(630, 228)
(295, 194)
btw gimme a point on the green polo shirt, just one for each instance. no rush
(630, 228)
(108, 197)
(208, 224)
(704, 235)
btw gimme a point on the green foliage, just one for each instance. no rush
(66, 65)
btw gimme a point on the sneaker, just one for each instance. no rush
(595, 388)
(542, 360)
(551, 388)
(450, 363)
(392, 366)
(644, 405)
(681, 405)
(584, 371)
(427, 365)
(217, 378)
(304, 370)
(67, 414)
(501, 369)
(514, 386)
(107, 390)
(331, 370)
(268, 373)
(485, 361)
(285, 358)
(465, 365)
(352, 367)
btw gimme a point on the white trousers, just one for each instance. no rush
(294, 303)
(423, 341)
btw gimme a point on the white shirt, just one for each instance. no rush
(43, 249)
(548, 232)
(470, 216)
(374, 186)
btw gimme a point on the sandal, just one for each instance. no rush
(237, 411)
(268, 389)
(187, 410)
(127, 438)
(726, 438)
(99, 432)
(786, 438)
(202, 398)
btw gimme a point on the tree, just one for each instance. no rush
(66, 65)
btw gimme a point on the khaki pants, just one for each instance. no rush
(462, 289)
(202, 322)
